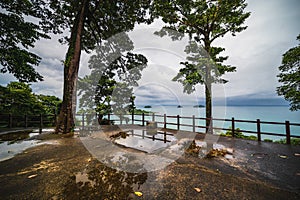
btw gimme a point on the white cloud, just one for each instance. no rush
(272, 29)
(257, 52)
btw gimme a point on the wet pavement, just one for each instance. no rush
(75, 168)
(278, 164)
(16, 141)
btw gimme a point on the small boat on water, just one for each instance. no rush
(198, 106)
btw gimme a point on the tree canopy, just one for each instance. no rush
(289, 76)
(115, 70)
(204, 21)
(101, 19)
(18, 35)
(17, 98)
(89, 22)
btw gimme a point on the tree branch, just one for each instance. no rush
(220, 34)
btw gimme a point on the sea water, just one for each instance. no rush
(263, 113)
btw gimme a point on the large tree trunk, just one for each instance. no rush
(208, 104)
(208, 88)
(66, 118)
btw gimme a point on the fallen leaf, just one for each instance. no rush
(139, 194)
(282, 156)
(229, 157)
(198, 189)
(89, 160)
(32, 176)
(229, 150)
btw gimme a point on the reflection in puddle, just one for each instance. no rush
(145, 141)
(98, 181)
(14, 143)
(136, 149)
(8, 150)
(82, 178)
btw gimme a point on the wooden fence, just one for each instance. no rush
(174, 122)
(27, 121)
(164, 121)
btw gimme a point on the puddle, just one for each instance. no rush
(14, 143)
(136, 149)
(98, 181)
(82, 178)
(229, 156)
(145, 141)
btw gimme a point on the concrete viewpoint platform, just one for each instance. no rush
(66, 170)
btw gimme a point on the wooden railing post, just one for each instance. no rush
(232, 127)
(108, 117)
(26, 120)
(41, 123)
(132, 117)
(288, 132)
(55, 119)
(96, 116)
(194, 128)
(258, 129)
(153, 117)
(178, 122)
(10, 120)
(165, 121)
(143, 119)
(82, 121)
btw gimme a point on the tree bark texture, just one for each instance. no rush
(66, 118)
(208, 102)
(208, 89)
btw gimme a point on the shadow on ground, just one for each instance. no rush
(66, 170)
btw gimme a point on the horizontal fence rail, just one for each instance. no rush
(176, 122)
(196, 124)
(27, 121)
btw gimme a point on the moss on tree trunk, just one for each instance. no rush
(66, 118)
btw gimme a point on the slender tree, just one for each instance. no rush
(290, 77)
(115, 70)
(17, 36)
(204, 21)
(89, 22)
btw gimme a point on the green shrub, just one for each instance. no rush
(238, 134)
(251, 137)
(294, 141)
(268, 140)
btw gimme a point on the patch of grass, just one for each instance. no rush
(268, 140)
(238, 134)
(294, 141)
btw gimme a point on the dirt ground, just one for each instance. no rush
(66, 170)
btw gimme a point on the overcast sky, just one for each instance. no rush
(256, 52)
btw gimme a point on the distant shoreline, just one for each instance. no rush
(182, 106)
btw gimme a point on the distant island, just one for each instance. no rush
(198, 106)
(179, 106)
(140, 111)
(147, 106)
